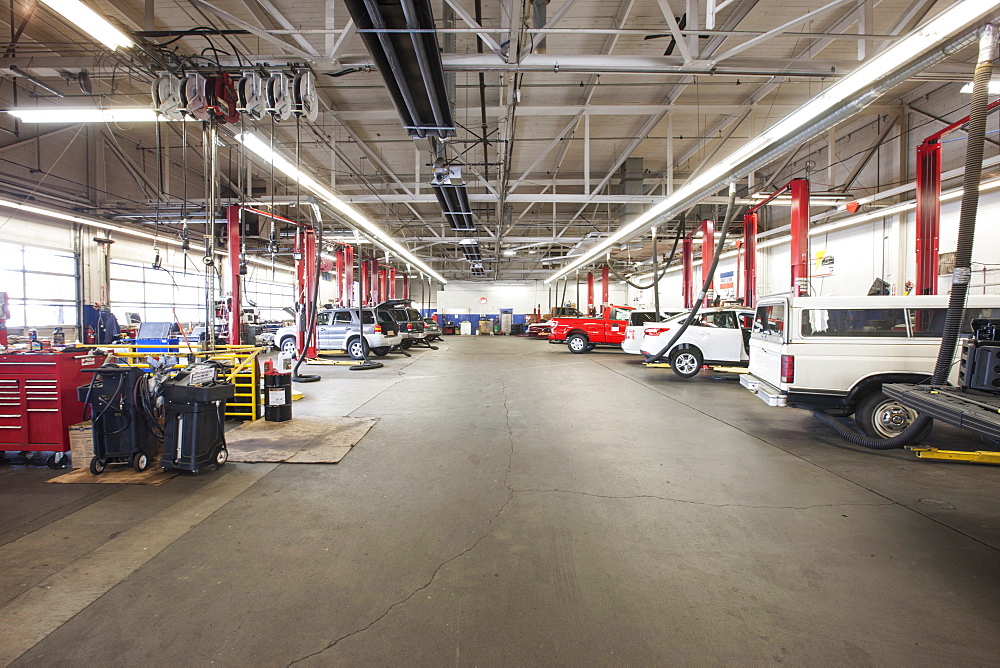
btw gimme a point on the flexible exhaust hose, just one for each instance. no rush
(666, 265)
(730, 210)
(963, 253)
(311, 320)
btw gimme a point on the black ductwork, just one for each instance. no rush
(410, 62)
(472, 251)
(454, 201)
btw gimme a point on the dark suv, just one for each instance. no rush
(411, 325)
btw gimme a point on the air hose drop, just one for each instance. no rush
(730, 211)
(666, 265)
(963, 253)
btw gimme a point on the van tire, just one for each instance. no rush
(686, 362)
(879, 416)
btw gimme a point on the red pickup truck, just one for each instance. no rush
(584, 334)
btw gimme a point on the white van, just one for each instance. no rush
(836, 352)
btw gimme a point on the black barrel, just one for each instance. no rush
(277, 397)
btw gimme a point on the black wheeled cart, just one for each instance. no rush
(125, 429)
(194, 432)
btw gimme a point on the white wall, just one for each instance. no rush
(522, 296)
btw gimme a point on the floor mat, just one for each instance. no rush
(121, 475)
(302, 440)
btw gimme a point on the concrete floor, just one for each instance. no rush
(518, 505)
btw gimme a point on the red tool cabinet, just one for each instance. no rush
(38, 399)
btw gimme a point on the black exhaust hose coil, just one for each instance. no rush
(963, 253)
(311, 319)
(666, 265)
(730, 210)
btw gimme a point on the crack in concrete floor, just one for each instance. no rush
(442, 565)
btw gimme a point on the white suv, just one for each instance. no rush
(338, 329)
(716, 336)
(835, 353)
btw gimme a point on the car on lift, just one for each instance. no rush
(339, 329)
(638, 323)
(835, 353)
(716, 336)
(411, 324)
(432, 329)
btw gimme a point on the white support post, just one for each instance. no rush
(670, 154)
(586, 153)
(865, 24)
(831, 155)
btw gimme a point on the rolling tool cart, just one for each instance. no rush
(126, 428)
(194, 433)
(38, 400)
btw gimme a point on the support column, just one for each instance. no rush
(800, 236)
(687, 260)
(928, 216)
(382, 276)
(339, 271)
(233, 214)
(391, 281)
(749, 260)
(406, 286)
(707, 255)
(590, 292)
(349, 275)
(366, 288)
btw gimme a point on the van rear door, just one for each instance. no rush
(767, 339)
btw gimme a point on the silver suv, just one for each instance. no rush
(338, 329)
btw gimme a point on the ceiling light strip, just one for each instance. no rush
(260, 148)
(838, 102)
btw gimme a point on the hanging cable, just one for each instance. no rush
(709, 276)
(309, 324)
(666, 265)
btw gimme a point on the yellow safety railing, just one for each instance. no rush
(241, 368)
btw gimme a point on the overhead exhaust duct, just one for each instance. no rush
(410, 61)
(451, 193)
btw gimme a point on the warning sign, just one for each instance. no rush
(823, 264)
(726, 280)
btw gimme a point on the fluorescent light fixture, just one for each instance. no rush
(85, 115)
(468, 242)
(510, 253)
(90, 22)
(994, 88)
(956, 17)
(263, 151)
(59, 215)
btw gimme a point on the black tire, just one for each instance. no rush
(221, 456)
(140, 462)
(406, 344)
(53, 464)
(290, 342)
(578, 344)
(381, 351)
(96, 466)
(354, 349)
(879, 416)
(686, 362)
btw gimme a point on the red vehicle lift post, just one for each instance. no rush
(366, 288)
(349, 276)
(687, 260)
(305, 273)
(234, 243)
(406, 286)
(799, 189)
(928, 198)
(605, 286)
(391, 280)
(707, 254)
(749, 259)
(382, 276)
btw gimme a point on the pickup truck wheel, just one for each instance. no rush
(577, 343)
(686, 362)
(879, 416)
(355, 350)
(288, 346)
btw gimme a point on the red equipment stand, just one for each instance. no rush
(707, 255)
(38, 400)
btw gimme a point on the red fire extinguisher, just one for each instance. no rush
(89, 336)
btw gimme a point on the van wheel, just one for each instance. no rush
(879, 416)
(686, 362)
(577, 343)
